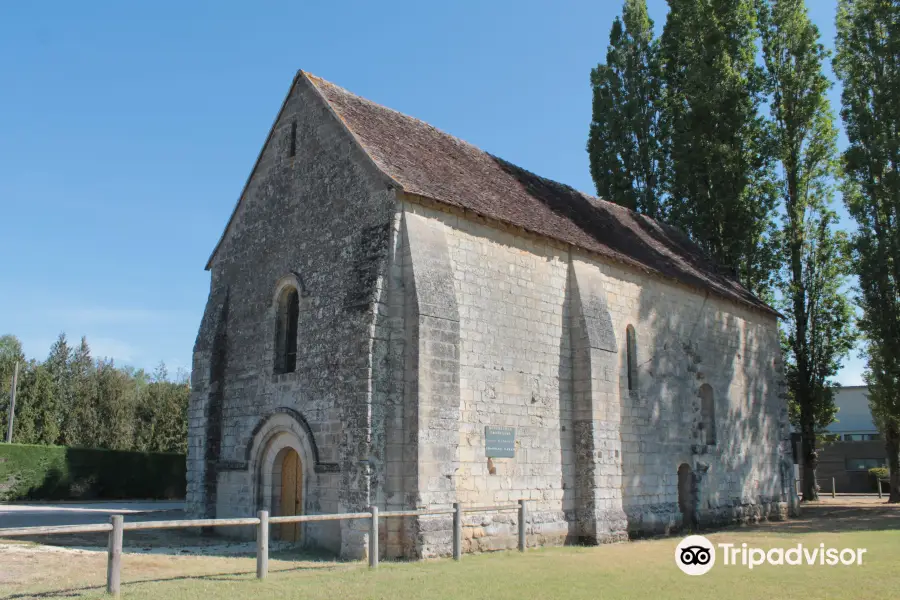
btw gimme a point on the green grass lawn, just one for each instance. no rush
(644, 569)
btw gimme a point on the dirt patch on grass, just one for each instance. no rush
(31, 570)
(27, 566)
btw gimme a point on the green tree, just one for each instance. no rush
(37, 413)
(868, 64)
(115, 404)
(81, 427)
(884, 401)
(10, 354)
(720, 188)
(72, 399)
(178, 403)
(813, 257)
(37, 417)
(819, 327)
(59, 368)
(161, 415)
(625, 143)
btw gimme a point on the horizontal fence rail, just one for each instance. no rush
(475, 509)
(117, 527)
(313, 518)
(51, 530)
(190, 523)
(416, 513)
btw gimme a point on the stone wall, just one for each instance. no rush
(320, 221)
(542, 348)
(513, 354)
(684, 340)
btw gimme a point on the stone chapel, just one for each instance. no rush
(387, 298)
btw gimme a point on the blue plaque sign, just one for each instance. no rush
(500, 442)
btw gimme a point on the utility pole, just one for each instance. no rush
(12, 403)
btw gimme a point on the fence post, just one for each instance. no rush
(12, 404)
(262, 545)
(833, 495)
(114, 558)
(457, 531)
(523, 513)
(373, 538)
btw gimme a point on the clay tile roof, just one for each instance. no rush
(427, 162)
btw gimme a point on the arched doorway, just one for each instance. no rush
(686, 494)
(288, 491)
(282, 455)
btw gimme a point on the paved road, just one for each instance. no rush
(45, 514)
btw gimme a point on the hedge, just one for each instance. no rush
(58, 473)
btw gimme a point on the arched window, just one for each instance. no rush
(631, 358)
(707, 415)
(286, 331)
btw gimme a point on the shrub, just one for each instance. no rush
(876, 474)
(61, 473)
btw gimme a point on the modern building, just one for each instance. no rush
(851, 445)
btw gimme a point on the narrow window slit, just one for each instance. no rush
(631, 358)
(293, 144)
(286, 331)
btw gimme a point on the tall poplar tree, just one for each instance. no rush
(868, 64)
(625, 143)
(720, 188)
(813, 257)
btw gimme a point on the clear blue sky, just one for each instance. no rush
(127, 130)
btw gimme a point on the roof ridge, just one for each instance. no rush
(316, 80)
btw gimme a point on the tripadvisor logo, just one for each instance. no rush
(696, 555)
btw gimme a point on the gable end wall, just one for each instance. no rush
(320, 220)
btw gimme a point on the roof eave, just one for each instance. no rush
(762, 306)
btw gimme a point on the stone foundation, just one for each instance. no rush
(486, 532)
(666, 519)
(744, 514)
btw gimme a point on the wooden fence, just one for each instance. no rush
(878, 485)
(117, 527)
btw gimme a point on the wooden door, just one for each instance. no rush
(686, 496)
(291, 494)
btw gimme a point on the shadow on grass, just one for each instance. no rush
(837, 518)
(333, 565)
(173, 542)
